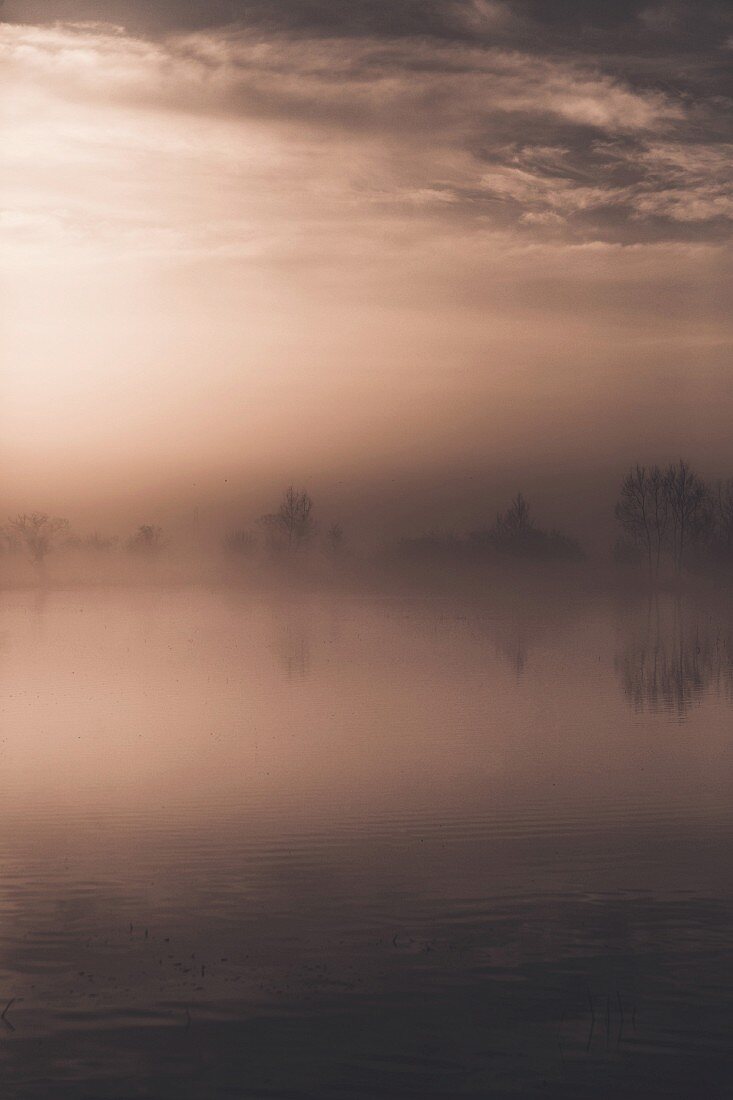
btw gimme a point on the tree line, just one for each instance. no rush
(671, 520)
(672, 516)
(36, 534)
(287, 530)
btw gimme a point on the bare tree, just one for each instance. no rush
(100, 544)
(515, 533)
(721, 517)
(37, 532)
(335, 540)
(687, 496)
(147, 540)
(240, 541)
(515, 521)
(659, 510)
(643, 511)
(9, 541)
(294, 517)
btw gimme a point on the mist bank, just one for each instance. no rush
(378, 500)
(667, 526)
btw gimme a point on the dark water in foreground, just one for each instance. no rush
(363, 848)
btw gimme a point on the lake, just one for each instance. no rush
(323, 846)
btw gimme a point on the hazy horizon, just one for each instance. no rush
(425, 255)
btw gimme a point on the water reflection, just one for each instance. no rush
(292, 647)
(673, 655)
(334, 849)
(513, 645)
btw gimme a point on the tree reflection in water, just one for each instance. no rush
(674, 655)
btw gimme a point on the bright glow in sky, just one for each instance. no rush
(258, 254)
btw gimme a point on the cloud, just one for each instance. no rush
(365, 81)
(689, 182)
(274, 231)
(248, 143)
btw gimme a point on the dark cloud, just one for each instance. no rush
(591, 119)
(646, 23)
(310, 229)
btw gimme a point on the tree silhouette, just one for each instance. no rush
(516, 534)
(720, 521)
(147, 540)
(37, 532)
(687, 498)
(335, 540)
(294, 517)
(240, 541)
(671, 509)
(514, 523)
(643, 511)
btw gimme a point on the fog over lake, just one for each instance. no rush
(366, 549)
(320, 845)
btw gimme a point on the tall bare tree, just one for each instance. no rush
(335, 540)
(515, 533)
(721, 509)
(240, 541)
(687, 497)
(295, 517)
(147, 540)
(37, 532)
(515, 521)
(643, 511)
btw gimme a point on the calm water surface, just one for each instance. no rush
(333, 847)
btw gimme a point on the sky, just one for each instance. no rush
(414, 255)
